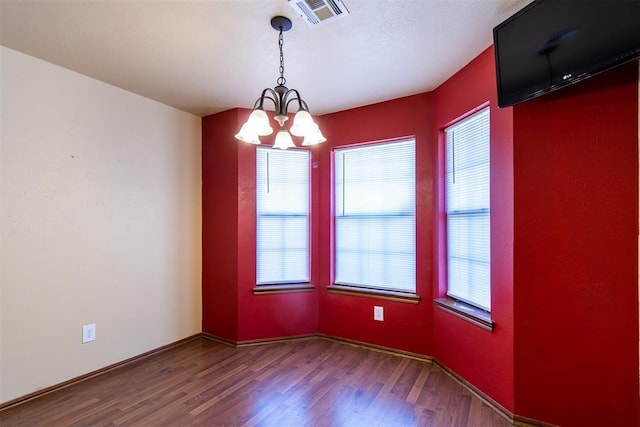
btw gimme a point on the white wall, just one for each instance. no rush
(100, 210)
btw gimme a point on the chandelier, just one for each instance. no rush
(258, 123)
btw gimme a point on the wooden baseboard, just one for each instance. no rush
(514, 419)
(519, 420)
(375, 347)
(249, 343)
(216, 338)
(504, 412)
(73, 381)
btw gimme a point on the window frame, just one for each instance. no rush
(467, 310)
(293, 285)
(395, 294)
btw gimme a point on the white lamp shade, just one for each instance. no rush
(283, 140)
(259, 122)
(247, 134)
(303, 124)
(313, 138)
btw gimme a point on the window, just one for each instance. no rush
(467, 210)
(282, 205)
(375, 237)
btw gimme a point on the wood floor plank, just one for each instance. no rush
(314, 382)
(418, 385)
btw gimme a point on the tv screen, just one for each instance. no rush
(553, 43)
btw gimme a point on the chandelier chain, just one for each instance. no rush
(281, 79)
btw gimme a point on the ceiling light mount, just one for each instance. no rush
(258, 122)
(281, 23)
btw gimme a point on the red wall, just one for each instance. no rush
(576, 259)
(219, 233)
(230, 309)
(564, 221)
(406, 326)
(484, 358)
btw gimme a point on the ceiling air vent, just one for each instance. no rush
(317, 12)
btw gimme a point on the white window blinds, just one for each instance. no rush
(282, 205)
(375, 225)
(467, 206)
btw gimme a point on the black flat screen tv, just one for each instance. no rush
(553, 43)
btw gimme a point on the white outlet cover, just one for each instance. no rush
(378, 313)
(88, 333)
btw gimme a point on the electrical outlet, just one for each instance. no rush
(88, 333)
(378, 313)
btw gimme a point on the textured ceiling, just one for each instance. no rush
(206, 56)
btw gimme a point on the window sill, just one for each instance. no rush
(374, 293)
(282, 289)
(467, 312)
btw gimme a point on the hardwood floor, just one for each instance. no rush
(312, 382)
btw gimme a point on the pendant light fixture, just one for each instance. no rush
(258, 123)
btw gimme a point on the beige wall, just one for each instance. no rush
(100, 210)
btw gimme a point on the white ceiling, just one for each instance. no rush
(206, 56)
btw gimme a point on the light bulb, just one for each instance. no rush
(259, 122)
(283, 139)
(303, 123)
(315, 137)
(247, 134)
